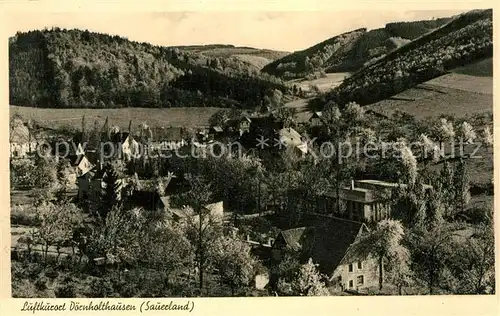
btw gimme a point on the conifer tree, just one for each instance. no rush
(111, 193)
(461, 186)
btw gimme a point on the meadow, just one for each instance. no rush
(174, 117)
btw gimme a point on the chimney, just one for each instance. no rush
(130, 127)
(352, 184)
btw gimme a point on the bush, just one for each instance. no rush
(66, 291)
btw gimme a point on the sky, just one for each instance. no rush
(283, 31)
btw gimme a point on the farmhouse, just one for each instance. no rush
(327, 241)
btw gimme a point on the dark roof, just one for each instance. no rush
(182, 212)
(146, 199)
(294, 237)
(118, 138)
(245, 118)
(92, 156)
(77, 138)
(75, 159)
(177, 185)
(326, 240)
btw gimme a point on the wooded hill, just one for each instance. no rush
(252, 58)
(75, 68)
(465, 39)
(349, 51)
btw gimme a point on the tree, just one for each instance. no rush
(341, 129)
(287, 116)
(410, 204)
(306, 282)
(56, 225)
(165, 247)
(234, 262)
(478, 272)
(409, 163)
(446, 184)
(63, 175)
(444, 131)
(111, 192)
(201, 229)
(117, 237)
(432, 251)
(384, 244)
(487, 137)
(466, 133)
(461, 187)
(429, 147)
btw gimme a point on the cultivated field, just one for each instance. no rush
(175, 117)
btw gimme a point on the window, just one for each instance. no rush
(351, 268)
(351, 284)
(360, 265)
(360, 280)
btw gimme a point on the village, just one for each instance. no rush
(146, 171)
(358, 165)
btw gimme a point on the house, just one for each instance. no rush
(148, 200)
(244, 125)
(369, 200)
(168, 138)
(21, 142)
(315, 119)
(290, 138)
(327, 241)
(215, 212)
(81, 164)
(91, 184)
(121, 145)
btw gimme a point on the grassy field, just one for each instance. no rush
(175, 117)
(483, 68)
(452, 94)
(464, 82)
(331, 81)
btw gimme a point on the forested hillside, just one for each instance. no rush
(466, 39)
(350, 51)
(237, 57)
(74, 68)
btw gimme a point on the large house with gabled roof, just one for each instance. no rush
(327, 241)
